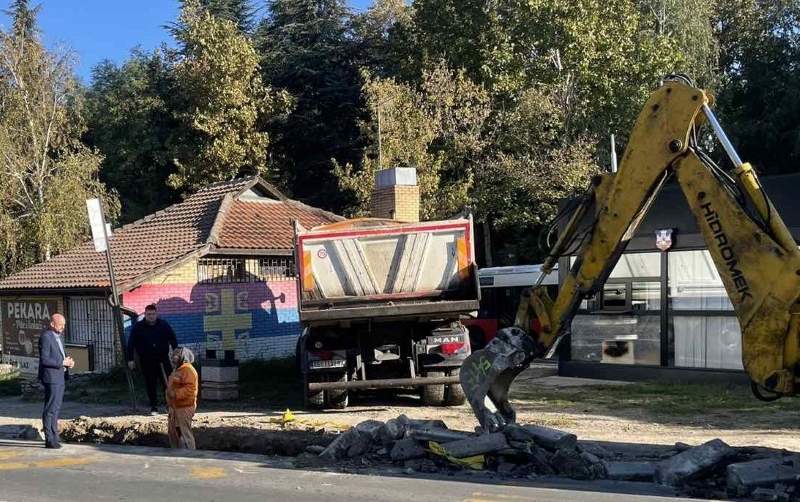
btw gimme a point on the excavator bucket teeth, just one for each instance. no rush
(488, 373)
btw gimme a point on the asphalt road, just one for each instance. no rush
(30, 473)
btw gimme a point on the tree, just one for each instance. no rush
(47, 172)
(223, 100)
(601, 56)
(535, 164)
(759, 99)
(131, 121)
(689, 24)
(380, 32)
(307, 48)
(435, 128)
(240, 12)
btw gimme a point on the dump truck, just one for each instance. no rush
(381, 302)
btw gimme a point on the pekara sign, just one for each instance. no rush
(22, 321)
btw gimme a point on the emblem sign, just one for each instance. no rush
(664, 239)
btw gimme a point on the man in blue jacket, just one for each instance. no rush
(54, 365)
(153, 340)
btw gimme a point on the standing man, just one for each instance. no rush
(152, 338)
(54, 365)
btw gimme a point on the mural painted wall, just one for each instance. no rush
(256, 319)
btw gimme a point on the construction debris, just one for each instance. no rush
(693, 462)
(528, 451)
(485, 443)
(631, 471)
(766, 472)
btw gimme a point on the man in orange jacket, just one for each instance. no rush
(182, 399)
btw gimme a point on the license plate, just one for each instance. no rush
(440, 339)
(331, 363)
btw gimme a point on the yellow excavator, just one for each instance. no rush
(752, 249)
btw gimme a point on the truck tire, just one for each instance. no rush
(433, 395)
(337, 398)
(315, 399)
(454, 393)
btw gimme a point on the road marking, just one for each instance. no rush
(47, 464)
(493, 497)
(208, 472)
(8, 454)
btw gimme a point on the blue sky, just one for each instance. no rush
(108, 29)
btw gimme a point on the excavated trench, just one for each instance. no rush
(236, 438)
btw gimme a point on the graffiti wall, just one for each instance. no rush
(256, 319)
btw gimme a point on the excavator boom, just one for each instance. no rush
(754, 252)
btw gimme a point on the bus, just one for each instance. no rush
(500, 291)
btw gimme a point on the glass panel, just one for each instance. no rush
(615, 296)
(694, 283)
(617, 339)
(646, 296)
(707, 342)
(637, 265)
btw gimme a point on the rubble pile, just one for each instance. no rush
(712, 469)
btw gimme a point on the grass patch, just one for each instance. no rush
(659, 400)
(272, 382)
(106, 388)
(10, 385)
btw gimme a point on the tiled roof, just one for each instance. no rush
(260, 225)
(213, 217)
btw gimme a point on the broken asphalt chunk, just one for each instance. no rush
(693, 462)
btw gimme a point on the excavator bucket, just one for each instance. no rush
(487, 374)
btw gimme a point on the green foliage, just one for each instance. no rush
(536, 164)
(380, 32)
(223, 99)
(760, 93)
(130, 120)
(46, 171)
(689, 24)
(307, 48)
(435, 128)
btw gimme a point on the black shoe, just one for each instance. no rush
(54, 446)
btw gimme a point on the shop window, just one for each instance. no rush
(635, 265)
(645, 295)
(707, 342)
(615, 296)
(695, 284)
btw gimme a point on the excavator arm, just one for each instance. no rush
(752, 249)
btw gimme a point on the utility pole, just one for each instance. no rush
(102, 243)
(380, 148)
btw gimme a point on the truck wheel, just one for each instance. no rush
(337, 398)
(315, 399)
(454, 393)
(433, 395)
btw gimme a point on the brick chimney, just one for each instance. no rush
(396, 194)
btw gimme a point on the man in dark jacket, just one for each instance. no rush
(153, 340)
(54, 365)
